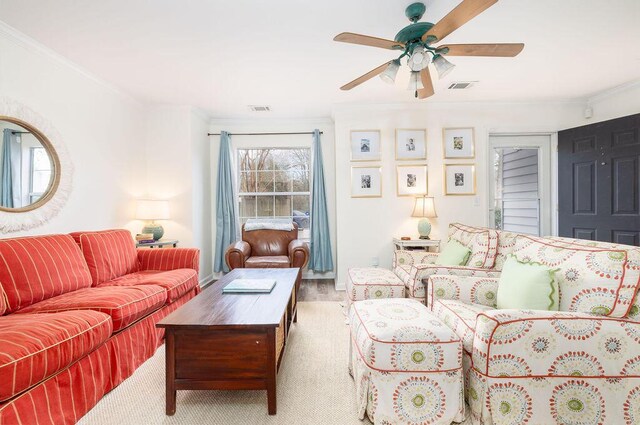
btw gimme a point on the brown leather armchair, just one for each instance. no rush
(268, 249)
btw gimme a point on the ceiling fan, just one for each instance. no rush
(416, 43)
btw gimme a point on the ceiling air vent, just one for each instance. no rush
(259, 108)
(459, 85)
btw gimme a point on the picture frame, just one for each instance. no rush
(366, 181)
(459, 179)
(411, 180)
(458, 143)
(365, 145)
(411, 144)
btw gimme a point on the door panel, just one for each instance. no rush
(599, 181)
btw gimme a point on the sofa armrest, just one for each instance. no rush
(547, 343)
(468, 289)
(236, 254)
(409, 258)
(421, 272)
(164, 259)
(298, 253)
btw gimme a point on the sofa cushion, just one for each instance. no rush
(506, 243)
(125, 304)
(267, 262)
(460, 317)
(175, 282)
(35, 268)
(482, 242)
(109, 253)
(3, 301)
(34, 347)
(591, 279)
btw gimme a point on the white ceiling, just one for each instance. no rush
(224, 55)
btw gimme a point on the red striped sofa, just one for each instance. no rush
(77, 317)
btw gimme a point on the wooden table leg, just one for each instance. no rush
(272, 362)
(171, 372)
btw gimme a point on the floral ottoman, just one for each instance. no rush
(370, 283)
(407, 364)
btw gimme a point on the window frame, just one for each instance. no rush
(304, 233)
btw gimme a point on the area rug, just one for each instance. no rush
(314, 386)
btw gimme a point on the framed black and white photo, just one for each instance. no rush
(411, 144)
(458, 143)
(411, 180)
(366, 182)
(365, 145)
(459, 179)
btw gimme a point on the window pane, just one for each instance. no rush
(247, 206)
(248, 182)
(301, 211)
(41, 159)
(265, 206)
(283, 206)
(300, 181)
(265, 181)
(40, 181)
(283, 182)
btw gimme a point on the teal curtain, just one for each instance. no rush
(6, 185)
(320, 259)
(227, 229)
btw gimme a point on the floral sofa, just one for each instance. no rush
(77, 317)
(488, 247)
(578, 365)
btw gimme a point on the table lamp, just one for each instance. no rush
(153, 209)
(425, 209)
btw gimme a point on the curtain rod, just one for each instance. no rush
(264, 134)
(20, 132)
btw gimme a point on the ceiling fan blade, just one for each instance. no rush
(369, 75)
(459, 16)
(498, 50)
(365, 40)
(427, 91)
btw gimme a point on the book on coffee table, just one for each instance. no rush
(254, 286)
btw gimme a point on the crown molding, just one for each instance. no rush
(20, 39)
(601, 95)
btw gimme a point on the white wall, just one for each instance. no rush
(366, 226)
(293, 125)
(102, 128)
(177, 154)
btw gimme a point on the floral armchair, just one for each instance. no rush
(489, 249)
(577, 365)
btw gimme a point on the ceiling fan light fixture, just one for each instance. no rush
(389, 74)
(443, 66)
(415, 82)
(419, 59)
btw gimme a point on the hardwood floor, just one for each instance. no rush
(319, 290)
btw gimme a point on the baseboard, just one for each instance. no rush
(206, 279)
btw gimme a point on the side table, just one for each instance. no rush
(417, 244)
(161, 243)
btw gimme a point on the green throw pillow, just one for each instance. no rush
(527, 286)
(453, 254)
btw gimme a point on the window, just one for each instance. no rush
(275, 183)
(40, 173)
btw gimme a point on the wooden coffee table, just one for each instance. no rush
(222, 341)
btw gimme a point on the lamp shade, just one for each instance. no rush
(152, 209)
(390, 72)
(424, 207)
(443, 66)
